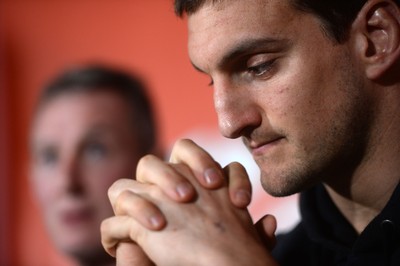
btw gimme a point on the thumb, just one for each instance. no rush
(130, 254)
(266, 228)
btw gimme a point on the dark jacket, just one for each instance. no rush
(324, 237)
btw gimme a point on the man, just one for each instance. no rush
(91, 126)
(312, 88)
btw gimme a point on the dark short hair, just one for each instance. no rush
(336, 16)
(96, 78)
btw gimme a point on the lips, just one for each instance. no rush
(260, 148)
(76, 217)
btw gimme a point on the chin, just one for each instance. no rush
(285, 183)
(89, 255)
(79, 249)
(76, 243)
(279, 190)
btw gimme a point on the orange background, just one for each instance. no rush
(39, 38)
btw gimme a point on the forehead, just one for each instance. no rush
(216, 27)
(80, 111)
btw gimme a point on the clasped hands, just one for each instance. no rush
(188, 211)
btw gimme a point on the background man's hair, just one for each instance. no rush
(336, 16)
(94, 78)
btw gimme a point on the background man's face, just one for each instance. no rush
(81, 144)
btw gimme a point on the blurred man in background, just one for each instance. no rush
(90, 127)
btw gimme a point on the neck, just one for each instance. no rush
(105, 263)
(363, 195)
(363, 204)
(94, 259)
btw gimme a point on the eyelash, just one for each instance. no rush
(264, 67)
(261, 69)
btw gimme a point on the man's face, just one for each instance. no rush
(293, 95)
(81, 144)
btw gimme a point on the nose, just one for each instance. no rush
(237, 113)
(70, 175)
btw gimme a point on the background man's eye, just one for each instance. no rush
(95, 151)
(48, 157)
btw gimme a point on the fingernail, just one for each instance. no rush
(183, 190)
(212, 176)
(156, 221)
(242, 198)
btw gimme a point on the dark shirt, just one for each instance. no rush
(324, 237)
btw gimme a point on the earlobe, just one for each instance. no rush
(379, 24)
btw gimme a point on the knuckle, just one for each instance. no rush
(145, 160)
(145, 166)
(181, 144)
(156, 193)
(122, 202)
(142, 206)
(111, 191)
(104, 227)
(114, 190)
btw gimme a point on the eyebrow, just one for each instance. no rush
(245, 47)
(99, 131)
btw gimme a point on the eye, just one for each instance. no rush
(261, 69)
(47, 157)
(95, 151)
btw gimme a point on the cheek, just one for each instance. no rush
(282, 104)
(99, 183)
(300, 88)
(100, 178)
(45, 187)
(296, 113)
(97, 192)
(297, 95)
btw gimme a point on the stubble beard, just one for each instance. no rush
(335, 154)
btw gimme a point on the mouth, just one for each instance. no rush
(76, 217)
(258, 149)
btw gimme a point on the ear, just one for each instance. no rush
(377, 29)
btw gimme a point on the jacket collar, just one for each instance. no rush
(325, 224)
